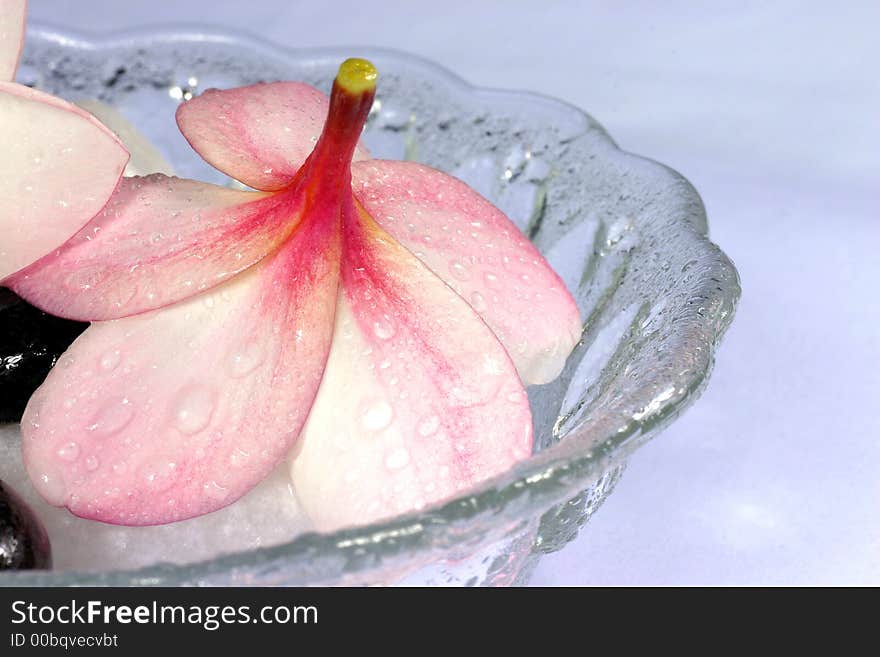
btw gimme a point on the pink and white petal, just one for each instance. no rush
(12, 18)
(178, 412)
(260, 134)
(419, 399)
(59, 167)
(477, 250)
(157, 241)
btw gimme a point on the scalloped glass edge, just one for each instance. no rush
(550, 477)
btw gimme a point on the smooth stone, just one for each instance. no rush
(24, 543)
(30, 343)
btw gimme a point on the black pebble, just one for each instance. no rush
(23, 541)
(30, 343)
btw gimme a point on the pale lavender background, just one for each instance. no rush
(771, 110)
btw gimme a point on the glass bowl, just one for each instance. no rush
(628, 236)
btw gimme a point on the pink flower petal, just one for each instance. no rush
(178, 412)
(158, 240)
(259, 135)
(12, 17)
(476, 250)
(58, 168)
(419, 399)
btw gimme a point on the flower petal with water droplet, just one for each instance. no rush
(157, 241)
(260, 134)
(171, 430)
(477, 251)
(59, 166)
(411, 418)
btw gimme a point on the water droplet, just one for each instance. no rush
(377, 415)
(239, 457)
(193, 409)
(83, 279)
(110, 360)
(208, 301)
(428, 425)
(491, 279)
(459, 271)
(215, 490)
(92, 463)
(478, 302)
(384, 329)
(68, 452)
(159, 475)
(112, 418)
(245, 360)
(397, 458)
(478, 389)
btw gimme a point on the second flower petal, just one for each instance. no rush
(419, 399)
(178, 412)
(477, 251)
(158, 240)
(260, 134)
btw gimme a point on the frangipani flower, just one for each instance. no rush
(59, 165)
(358, 311)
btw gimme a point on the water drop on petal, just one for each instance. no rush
(428, 426)
(383, 329)
(396, 459)
(377, 415)
(68, 452)
(459, 271)
(215, 490)
(112, 418)
(110, 360)
(193, 409)
(159, 475)
(478, 302)
(245, 360)
(239, 458)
